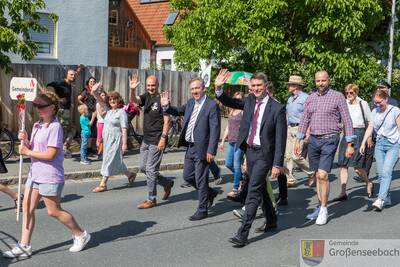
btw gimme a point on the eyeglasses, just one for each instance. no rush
(349, 93)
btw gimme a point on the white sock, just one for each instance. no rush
(323, 209)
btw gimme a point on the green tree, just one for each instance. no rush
(284, 37)
(17, 17)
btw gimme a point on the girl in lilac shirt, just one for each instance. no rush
(46, 176)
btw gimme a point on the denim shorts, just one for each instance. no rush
(321, 152)
(48, 190)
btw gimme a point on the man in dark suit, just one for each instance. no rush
(262, 135)
(200, 134)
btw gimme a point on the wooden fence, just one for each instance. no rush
(112, 78)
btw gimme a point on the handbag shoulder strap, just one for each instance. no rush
(377, 130)
(363, 114)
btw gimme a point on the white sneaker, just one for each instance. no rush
(313, 216)
(85, 162)
(80, 242)
(322, 216)
(387, 202)
(18, 251)
(378, 204)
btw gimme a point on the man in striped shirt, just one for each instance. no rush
(326, 113)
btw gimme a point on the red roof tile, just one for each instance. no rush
(152, 16)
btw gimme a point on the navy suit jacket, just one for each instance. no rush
(207, 128)
(273, 132)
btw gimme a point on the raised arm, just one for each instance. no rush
(226, 100)
(95, 93)
(133, 84)
(167, 108)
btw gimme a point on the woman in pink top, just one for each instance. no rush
(46, 176)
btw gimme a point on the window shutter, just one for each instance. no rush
(44, 37)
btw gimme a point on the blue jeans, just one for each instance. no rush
(233, 161)
(84, 145)
(386, 155)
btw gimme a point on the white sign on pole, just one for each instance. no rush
(28, 87)
(206, 75)
(23, 85)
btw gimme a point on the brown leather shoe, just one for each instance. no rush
(291, 183)
(147, 204)
(312, 180)
(167, 190)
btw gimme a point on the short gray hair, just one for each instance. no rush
(197, 79)
(260, 76)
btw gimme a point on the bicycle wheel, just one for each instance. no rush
(173, 137)
(6, 143)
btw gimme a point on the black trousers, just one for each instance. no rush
(195, 172)
(282, 183)
(257, 193)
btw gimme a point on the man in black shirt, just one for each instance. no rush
(155, 130)
(63, 89)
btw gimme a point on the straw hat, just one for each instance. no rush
(295, 79)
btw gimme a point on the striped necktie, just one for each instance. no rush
(193, 117)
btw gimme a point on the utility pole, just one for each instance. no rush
(391, 42)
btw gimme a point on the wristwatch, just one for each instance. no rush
(164, 136)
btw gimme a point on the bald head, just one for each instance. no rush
(322, 80)
(152, 85)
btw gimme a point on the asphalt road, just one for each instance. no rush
(122, 235)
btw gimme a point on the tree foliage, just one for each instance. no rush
(17, 17)
(284, 37)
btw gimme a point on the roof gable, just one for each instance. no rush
(152, 16)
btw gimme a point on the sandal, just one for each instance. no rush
(131, 179)
(233, 194)
(16, 203)
(100, 188)
(370, 189)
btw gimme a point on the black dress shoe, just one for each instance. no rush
(198, 216)
(266, 227)
(211, 197)
(238, 241)
(185, 185)
(341, 198)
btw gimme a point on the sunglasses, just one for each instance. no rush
(349, 93)
(41, 107)
(378, 103)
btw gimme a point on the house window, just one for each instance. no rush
(166, 64)
(113, 18)
(171, 18)
(45, 40)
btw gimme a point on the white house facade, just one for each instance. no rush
(79, 36)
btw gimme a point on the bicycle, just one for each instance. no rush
(6, 143)
(132, 134)
(175, 129)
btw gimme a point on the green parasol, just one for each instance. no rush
(239, 78)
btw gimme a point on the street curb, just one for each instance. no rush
(95, 174)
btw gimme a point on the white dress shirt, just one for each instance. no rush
(259, 119)
(201, 103)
